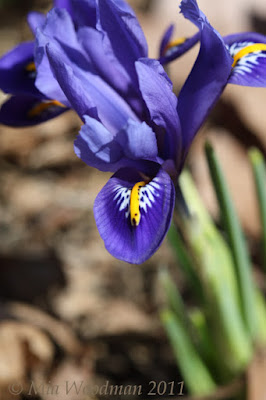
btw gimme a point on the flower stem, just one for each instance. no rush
(196, 375)
(259, 171)
(236, 242)
(213, 264)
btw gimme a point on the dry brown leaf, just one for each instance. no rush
(61, 333)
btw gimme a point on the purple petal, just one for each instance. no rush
(101, 149)
(100, 53)
(243, 37)
(17, 71)
(66, 4)
(249, 53)
(156, 89)
(138, 141)
(113, 215)
(96, 146)
(207, 79)
(125, 7)
(21, 111)
(84, 13)
(73, 90)
(178, 48)
(85, 91)
(35, 20)
(166, 39)
(124, 32)
(58, 27)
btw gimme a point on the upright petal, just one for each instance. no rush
(166, 39)
(35, 20)
(85, 91)
(172, 49)
(72, 89)
(58, 27)
(17, 71)
(66, 4)
(134, 215)
(84, 12)
(156, 89)
(207, 79)
(21, 111)
(100, 53)
(249, 54)
(123, 31)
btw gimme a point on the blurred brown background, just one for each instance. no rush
(69, 311)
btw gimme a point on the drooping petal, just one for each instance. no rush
(207, 79)
(35, 20)
(156, 89)
(17, 71)
(101, 149)
(124, 33)
(133, 216)
(21, 111)
(249, 53)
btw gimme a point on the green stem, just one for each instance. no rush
(196, 375)
(236, 242)
(184, 260)
(175, 303)
(214, 266)
(259, 172)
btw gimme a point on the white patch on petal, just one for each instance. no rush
(148, 194)
(122, 198)
(237, 46)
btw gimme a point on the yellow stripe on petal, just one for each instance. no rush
(134, 204)
(174, 43)
(248, 50)
(43, 106)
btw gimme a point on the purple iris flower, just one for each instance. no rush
(248, 50)
(28, 105)
(134, 125)
(25, 74)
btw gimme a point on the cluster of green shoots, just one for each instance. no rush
(215, 340)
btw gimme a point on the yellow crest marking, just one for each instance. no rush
(30, 67)
(247, 50)
(40, 107)
(134, 204)
(176, 42)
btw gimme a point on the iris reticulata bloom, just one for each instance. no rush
(28, 105)
(247, 49)
(91, 56)
(134, 125)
